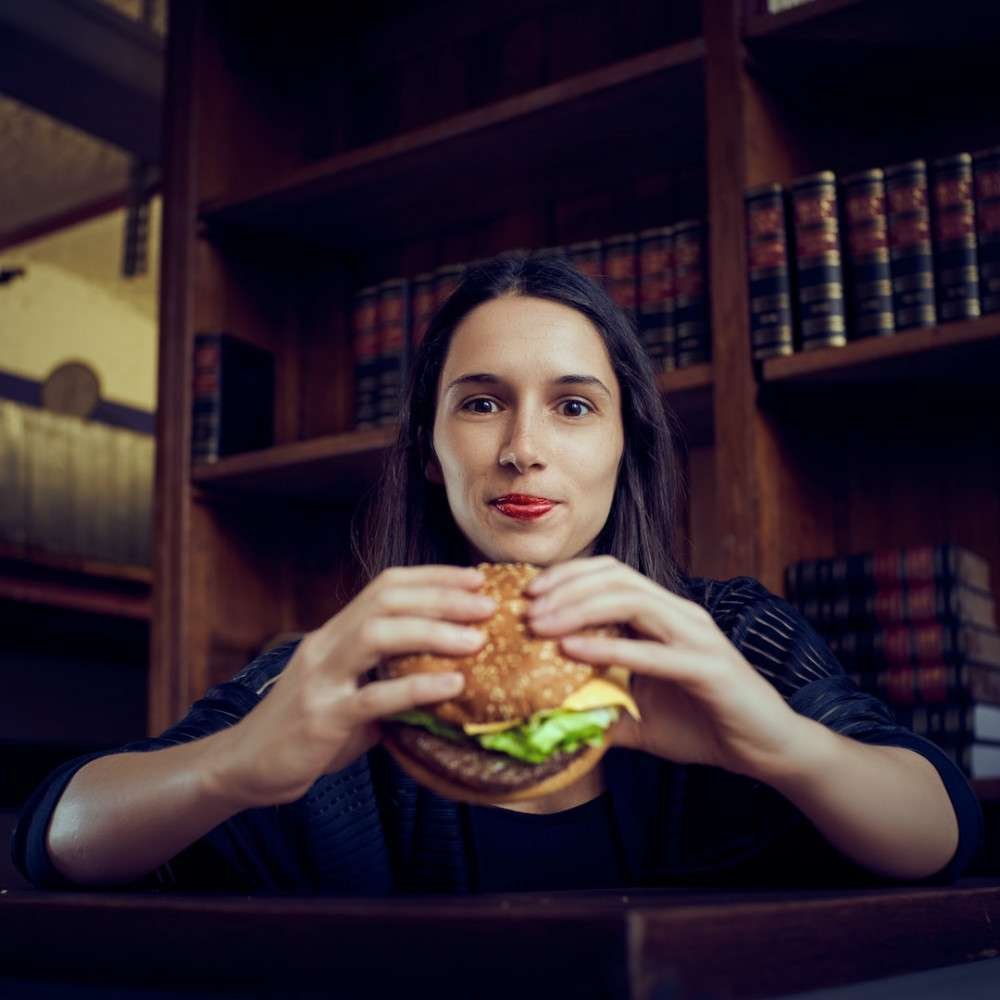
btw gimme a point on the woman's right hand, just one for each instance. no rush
(320, 715)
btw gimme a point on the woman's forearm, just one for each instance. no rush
(884, 807)
(124, 815)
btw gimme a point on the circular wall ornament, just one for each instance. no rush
(72, 387)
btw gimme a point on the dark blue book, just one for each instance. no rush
(954, 223)
(364, 326)
(691, 317)
(656, 296)
(866, 241)
(911, 251)
(986, 170)
(393, 347)
(819, 269)
(771, 324)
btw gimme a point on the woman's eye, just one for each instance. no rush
(581, 408)
(476, 405)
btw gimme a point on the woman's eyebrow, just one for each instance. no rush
(488, 378)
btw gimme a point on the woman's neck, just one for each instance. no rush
(583, 790)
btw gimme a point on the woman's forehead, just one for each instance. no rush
(524, 337)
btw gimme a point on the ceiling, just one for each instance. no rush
(48, 167)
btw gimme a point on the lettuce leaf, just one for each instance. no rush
(544, 734)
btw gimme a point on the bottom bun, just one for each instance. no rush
(580, 765)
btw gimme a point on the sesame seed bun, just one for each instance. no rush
(513, 675)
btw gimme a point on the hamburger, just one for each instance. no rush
(528, 722)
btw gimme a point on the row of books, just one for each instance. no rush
(658, 277)
(873, 253)
(74, 487)
(916, 627)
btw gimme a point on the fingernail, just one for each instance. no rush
(451, 682)
(471, 635)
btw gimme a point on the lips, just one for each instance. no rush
(522, 506)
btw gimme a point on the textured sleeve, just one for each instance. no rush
(783, 647)
(244, 851)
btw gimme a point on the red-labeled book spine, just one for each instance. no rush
(393, 312)
(421, 308)
(446, 279)
(866, 240)
(908, 645)
(932, 683)
(818, 263)
(954, 223)
(621, 270)
(366, 375)
(656, 295)
(911, 252)
(691, 318)
(986, 170)
(771, 323)
(588, 258)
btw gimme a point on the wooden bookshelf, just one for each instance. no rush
(58, 581)
(314, 153)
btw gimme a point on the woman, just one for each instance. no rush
(756, 758)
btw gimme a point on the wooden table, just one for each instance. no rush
(646, 944)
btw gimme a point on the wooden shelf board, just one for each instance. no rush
(399, 185)
(337, 466)
(75, 597)
(961, 355)
(75, 564)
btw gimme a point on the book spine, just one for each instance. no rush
(206, 398)
(656, 296)
(446, 280)
(943, 723)
(866, 237)
(819, 269)
(691, 322)
(911, 253)
(986, 167)
(365, 329)
(621, 273)
(933, 683)
(771, 325)
(421, 308)
(588, 258)
(954, 217)
(393, 310)
(909, 645)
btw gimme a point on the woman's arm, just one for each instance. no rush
(884, 807)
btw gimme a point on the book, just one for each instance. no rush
(446, 280)
(588, 258)
(421, 308)
(954, 224)
(946, 562)
(692, 328)
(364, 335)
(233, 397)
(621, 272)
(916, 604)
(986, 174)
(932, 683)
(911, 254)
(393, 340)
(951, 643)
(656, 296)
(977, 760)
(866, 240)
(972, 722)
(771, 323)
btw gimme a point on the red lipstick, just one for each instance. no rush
(523, 507)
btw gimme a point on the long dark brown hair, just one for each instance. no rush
(409, 521)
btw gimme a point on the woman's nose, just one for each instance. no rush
(523, 450)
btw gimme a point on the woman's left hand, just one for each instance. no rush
(700, 700)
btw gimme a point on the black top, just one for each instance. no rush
(577, 848)
(369, 829)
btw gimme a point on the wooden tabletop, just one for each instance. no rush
(646, 944)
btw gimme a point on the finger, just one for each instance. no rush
(652, 659)
(384, 637)
(569, 570)
(382, 698)
(646, 613)
(435, 602)
(573, 589)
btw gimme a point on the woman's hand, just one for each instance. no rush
(320, 715)
(700, 700)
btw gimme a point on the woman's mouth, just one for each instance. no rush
(522, 507)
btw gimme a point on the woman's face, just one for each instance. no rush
(528, 409)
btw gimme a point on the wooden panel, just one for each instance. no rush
(706, 557)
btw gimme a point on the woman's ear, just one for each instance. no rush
(432, 470)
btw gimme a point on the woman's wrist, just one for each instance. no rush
(809, 751)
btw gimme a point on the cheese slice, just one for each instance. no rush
(596, 693)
